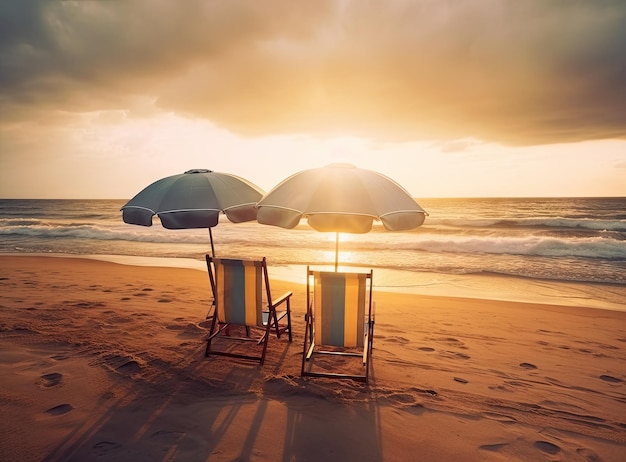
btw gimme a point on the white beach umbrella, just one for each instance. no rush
(194, 199)
(340, 198)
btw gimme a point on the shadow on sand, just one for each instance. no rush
(224, 409)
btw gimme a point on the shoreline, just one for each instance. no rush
(474, 286)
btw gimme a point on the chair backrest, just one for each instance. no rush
(339, 304)
(238, 290)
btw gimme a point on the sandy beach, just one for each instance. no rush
(105, 361)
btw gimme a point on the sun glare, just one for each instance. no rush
(343, 237)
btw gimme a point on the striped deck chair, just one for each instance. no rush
(339, 321)
(239, 301)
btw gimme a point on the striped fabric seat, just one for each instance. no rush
(239, 300)
(339, 321)
(339, 308)
(239, 287)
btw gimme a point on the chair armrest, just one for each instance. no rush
(283, 298)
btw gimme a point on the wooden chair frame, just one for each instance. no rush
(267, 318)
(310, 346)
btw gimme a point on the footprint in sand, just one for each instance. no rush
(397, 339)
(104, 447)
(168, 437)
(493, 447)
(502, 418)
(610, 378)
(588, 455)
(60, 409)
(460, 380)
(454, 354)
(50, 380)
(426, 349)
(548, 447)
(452, 342)
(407, 402)
(129, 368)
(528, 366)
(422, 391)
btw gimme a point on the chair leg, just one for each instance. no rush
(265, 341)
(211, 331)
(211, 312)
(289, 318)
(370, 347)
(275, 322)
(308, 338)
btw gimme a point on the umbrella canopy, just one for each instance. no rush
(194, 199)
(340, 198)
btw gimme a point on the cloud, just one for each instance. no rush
(457, 145)
(519, 73)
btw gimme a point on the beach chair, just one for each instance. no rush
(239, 301)
(339, 323)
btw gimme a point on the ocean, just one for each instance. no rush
(539, 241)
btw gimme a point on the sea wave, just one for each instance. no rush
(567, 239)
(553, 222)
(592, 247)
(600, 247)
(86, 231)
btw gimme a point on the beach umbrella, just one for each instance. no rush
(194, 199)
(340, 198)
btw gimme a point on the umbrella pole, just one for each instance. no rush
(336, 250)
(211, 238)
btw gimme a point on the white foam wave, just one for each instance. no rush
(106, 233)
(554, 222)
(593, 247)
(602, 247)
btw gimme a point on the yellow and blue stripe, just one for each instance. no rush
(239, 291)
(339, 308)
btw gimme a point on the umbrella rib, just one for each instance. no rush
(308, 212)
(403, 211)
(189, 210)
(240, 205)
(279, 207)
(361, 214)
(138, 207)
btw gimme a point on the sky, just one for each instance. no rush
(450, 98)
